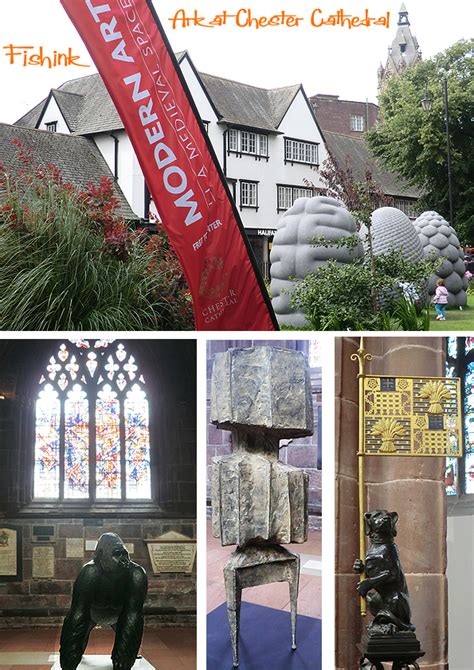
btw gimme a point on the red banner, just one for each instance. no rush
(128, 45)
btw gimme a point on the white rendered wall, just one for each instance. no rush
(206, 111)
(299, 124)
(461, 592)
(105, 145)
(130, 176)
(53, 113)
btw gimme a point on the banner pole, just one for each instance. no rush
(361, 356)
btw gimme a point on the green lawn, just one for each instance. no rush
(455, 318)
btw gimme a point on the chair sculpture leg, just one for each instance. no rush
(234, 625)
(233, 597)
(293, 583)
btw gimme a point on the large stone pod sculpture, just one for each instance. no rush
(293, 255)
(438, 237)
(392, 230)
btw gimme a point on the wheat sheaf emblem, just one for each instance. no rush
(388, 429)
(437, 394)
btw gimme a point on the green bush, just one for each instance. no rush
(69, 263)
(366, 294)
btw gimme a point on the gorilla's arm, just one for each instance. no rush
(129, 629)
(77, 624)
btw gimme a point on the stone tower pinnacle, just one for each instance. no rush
(404, 52)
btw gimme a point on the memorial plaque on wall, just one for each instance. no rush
(11, 564)
(74, 547)
(43, 563)
(171, 552)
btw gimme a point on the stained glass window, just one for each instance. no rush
(92, 429)
(137, 449)
(460, 363)
(451, 476)
(76, 443)
(452, 347)
(46, 480)
(107, 465)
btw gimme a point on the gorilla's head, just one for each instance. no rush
(111, 554)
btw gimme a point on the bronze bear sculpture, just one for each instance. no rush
(109, 590)
(385, 588)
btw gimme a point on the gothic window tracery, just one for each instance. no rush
(92, 425)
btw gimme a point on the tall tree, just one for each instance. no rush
(413, 142)
(360, 196)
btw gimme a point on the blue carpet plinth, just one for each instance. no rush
(265, 640)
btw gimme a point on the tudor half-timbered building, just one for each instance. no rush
(267, 141)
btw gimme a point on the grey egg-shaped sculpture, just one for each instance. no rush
(293, 255)
(438, 237)
(392, 230)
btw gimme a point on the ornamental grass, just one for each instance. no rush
(68, 262)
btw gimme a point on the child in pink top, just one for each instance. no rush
(441, 300)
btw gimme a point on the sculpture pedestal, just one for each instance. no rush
(104, 662)
(254, 566)
(402, 650)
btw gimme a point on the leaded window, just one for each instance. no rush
(247, 142)
(92, 425)
(233, 140)
(262, 145)
(357, 123)
(248, 194)
(288, 194)
(299, 151)
(459, 478)
(407, 206)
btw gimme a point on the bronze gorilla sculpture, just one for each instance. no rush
(385, 588)
(109, 590)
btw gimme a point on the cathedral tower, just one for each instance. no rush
(404, 51)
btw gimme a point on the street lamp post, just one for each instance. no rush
(426, 103)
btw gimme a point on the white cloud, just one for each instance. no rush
(326, 60)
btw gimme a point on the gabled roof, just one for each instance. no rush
(88, 108)
(244, 105)
(98, 113)
(78, 158)
(355, 151)
(70, 105)
(31, 118)
(95, 112)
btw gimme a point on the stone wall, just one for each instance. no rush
(171, 596)
(304, 453)
(411, 486)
